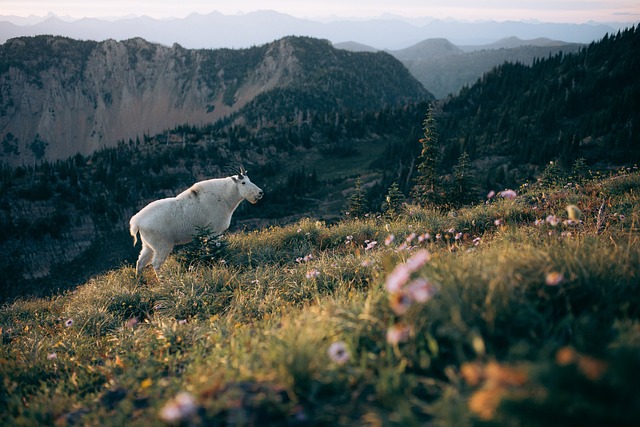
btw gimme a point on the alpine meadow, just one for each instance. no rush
(472, 260)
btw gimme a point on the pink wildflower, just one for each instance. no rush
(508, 194)
(491, 194)
(421, 290)
(552, 220)
(419, 259)
(312, 274)
(389, 240)
(338, 353)
(398, 333)
(398, 278)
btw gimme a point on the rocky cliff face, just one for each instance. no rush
(59, 97)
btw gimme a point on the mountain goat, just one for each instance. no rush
(168, 222)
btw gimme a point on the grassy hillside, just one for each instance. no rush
(504, 313)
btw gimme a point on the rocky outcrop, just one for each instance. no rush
(59, 97)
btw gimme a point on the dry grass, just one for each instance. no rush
(291, 325)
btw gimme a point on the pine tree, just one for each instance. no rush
(463, 190)
(357, 202)
(425, 184)
(392, 205)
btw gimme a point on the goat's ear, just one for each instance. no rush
(234, 178)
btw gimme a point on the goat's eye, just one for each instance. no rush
(243, 183)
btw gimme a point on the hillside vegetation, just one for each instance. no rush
(522, 310)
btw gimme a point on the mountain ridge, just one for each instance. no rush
(215, 30)
(60, 96)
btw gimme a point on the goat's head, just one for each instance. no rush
(248, 189)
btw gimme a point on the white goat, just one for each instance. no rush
(168, 222)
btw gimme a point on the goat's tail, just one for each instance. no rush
(133, 229)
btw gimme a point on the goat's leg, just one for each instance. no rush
(144, 259)
(159, 257)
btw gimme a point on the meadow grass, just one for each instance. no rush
(502, 313)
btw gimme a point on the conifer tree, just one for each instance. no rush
(392, 205)
(463, 190)
(425, 184)
(357, 202)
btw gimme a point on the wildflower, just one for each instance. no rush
(423, 237)
(179, 409)
(398, 333)
(476, 241)
(338, 353)
(451, 230)
(366, 263)
(68, 323)
(497, 222)
(52, 356)
(410, 237)
(419, 259)
(420, 290)
(389, 240)
(398, 278)
(491, 194)
(349, 240)
(538, 222)
(131, 322)
(403, 246)
(438, 236)
(554, 278)
(552, 220)
(370, 245)
(508, 194)
(400, 302)
(299, 230)
(312, 274)
(622, 217)
(182, 322)
(458, 236)
(307, 258)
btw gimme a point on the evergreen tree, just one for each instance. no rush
(552, 175)
(392, 205)
(463, 189)
(579, 172)
(357, 202)
(425, 185)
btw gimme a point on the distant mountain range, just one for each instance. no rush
(444, 68)
(216, 30)
(59, 96)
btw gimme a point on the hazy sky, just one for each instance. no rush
(499, 10)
